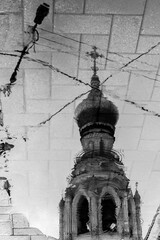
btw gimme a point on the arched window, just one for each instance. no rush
(108, 213)
(82, 216)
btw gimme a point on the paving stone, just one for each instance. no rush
(115, 7)
(127, 138)
(130, 120)
(148, 132)
(15, 237)
(147, 62)
(67, 92)
(27, 231)
(34, 56)
(124, 34)
(4, 217)
(82, 24)
(61, 155)
(5, 228)
(155, 94)
(11, 32)
(47, 106)
(58, 42)
(146, 42)
(19, 221)
(39, 139)
(10, 6)
(37, 83)
(136, 88)
(5, 209)
(151, 18)
(147, 145)
(66, 144)
(65, 63)
(7, 62)
(69, 6)
(39, 238)
(59, 122)
(15, 102)
(19, 120)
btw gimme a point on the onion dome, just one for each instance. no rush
(96, 116)
(96, 111)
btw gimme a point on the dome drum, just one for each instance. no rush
(97, 141)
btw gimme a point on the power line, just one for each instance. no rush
(62, 44)
(86, 58)
(76, 79)
(122, 56)
(82, 42)
(152, 223)
(92, 46)
(69, 38)
(132, 60)
(48, 65)
(108, 59)
(133, 103)
(66, 105)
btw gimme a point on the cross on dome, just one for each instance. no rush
(94, 55)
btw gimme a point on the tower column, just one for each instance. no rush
(125, 214)
(137, 200)
(94, 215)
(68, 217)
(61, 221)
(133, 217)
(139, 228)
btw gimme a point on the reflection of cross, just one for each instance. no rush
(94, 54)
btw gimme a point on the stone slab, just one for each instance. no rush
(115, 7)
(69, 6)
(15, 237)
(88, 24)
(27, 231)
(10, 6)
(39, 238)
(20, 221)
(125, 33)
(11, 32)
(4, 217)
(5, 209)
(5, 228)
(151, 18)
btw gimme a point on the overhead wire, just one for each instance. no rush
(137, 105)
(134, 59)
(62, 108)
(101, 64)
(143, 62)
(80, 81)
(66, 37)
(111, 60)
(90, 45)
